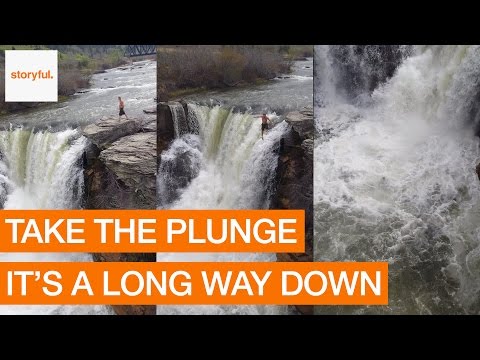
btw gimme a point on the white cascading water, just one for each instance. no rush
(180, 123)
(226, 166)
(42, 170)
(395, 178)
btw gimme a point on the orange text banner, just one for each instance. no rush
(194, 283)
(152, 231)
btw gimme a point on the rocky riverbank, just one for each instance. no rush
(120, 173)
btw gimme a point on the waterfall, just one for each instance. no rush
(4, 182)
(179, 164)
(226, 166)
(43, 170)
(192, 119)
(395, 174)
(179, 118)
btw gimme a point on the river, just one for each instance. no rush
(41, 151)
(221, 162)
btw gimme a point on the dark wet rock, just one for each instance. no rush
(359, 69)
(295, 175)
(165, 127)
(294, 180)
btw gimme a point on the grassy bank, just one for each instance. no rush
(189, 68)
(297, 52)
(76, 65)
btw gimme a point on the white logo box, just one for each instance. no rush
(31, 75)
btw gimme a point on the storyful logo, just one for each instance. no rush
(31, 76)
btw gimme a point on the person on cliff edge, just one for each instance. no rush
(121, 108)
(265, 121)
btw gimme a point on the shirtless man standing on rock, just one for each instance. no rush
(121, 107)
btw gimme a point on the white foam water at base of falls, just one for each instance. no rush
(226, 166)
(395, 180)
(43, 170)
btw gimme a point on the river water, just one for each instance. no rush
(395, 177)
(224, 164)
(285, 93)
(41, 151)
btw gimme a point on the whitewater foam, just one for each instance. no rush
(395, 179)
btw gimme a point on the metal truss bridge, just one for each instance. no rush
(140, 50)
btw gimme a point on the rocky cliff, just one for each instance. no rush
(294, 180)
(359, 69)
(120, 165)
(179, 167)
(120, 173)
(165, 127)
